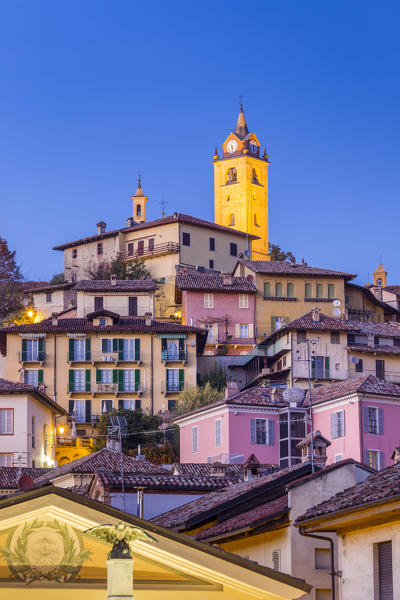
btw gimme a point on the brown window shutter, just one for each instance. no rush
(385, 568)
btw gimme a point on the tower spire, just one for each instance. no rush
(139, 191)
(241, 128)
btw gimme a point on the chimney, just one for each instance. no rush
(114, 444)
(273, 394)
(101, 227)
(130, 222)
(217, 470)
(227, 278)
(293, 260)
(370, 341)
(396, 455)
(251, 468)
(113, 280)
(147, 319)
(316, 316)
(320, 444)
(54, 319)
(231, 389)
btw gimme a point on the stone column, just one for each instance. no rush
(119, 578)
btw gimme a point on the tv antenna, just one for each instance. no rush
(118, 425)
(163, 203)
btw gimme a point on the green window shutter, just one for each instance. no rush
(121, 380)
(71, 406)
(120, 349)
(71, 379)
(138, 404)
(71, 349)
(115, 345)
(88, 410)
(313, 367)
(137, 379)
(164, 349)
(87, 380)
(181, 379)
(104, 346)
(98, 375)
(137, 349)
(181, 349)
(87, 348)
(115, 375)
(24, 353)
(41, 349)
(120, 404)
(40, 376)
(327, 367)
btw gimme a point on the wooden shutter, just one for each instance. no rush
(130, 249)
(181, 349)
(70, 406)
(88, 410)
(380, 421)
(365, 411)
(137, 379)
(327, 367)
(334, 426)
(115, 345)
(273, 323)
(343, 432)
(138, 404)
(87, 348)
(24, 353)
(71, 352)
(71, 380)
(115, 375)
(381, 460)
(120, 349)
(133, 305)
(120, 404)
(137, 349)
(40, 376)
(41, 348)
(98, 375)
(87, 380)
(98, 303)
(104, 346)
(164, 349)
(313, 367)
(237, 330)
(366, 457)
(181, 379)
(253, 437)
(385, 571)
(121, 380)
(271, 432)
(380, 369)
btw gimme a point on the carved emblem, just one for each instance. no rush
(44, 550)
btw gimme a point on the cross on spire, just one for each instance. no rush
(241, 98)
(163, 203)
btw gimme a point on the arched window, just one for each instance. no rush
(138, 210)
(331, 290)
(254, 176)
(307, 290)
(232, 175)
(267, 290)
(228, 198)
(278, 290)
(379, 281)
(320, 290)
(255, 220)
(290, 290)
(231, 219)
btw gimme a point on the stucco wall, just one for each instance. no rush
(88, 258)
(260, 548)
(116, 302)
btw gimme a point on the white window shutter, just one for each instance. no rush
(251, 330)
(333, 425)
(237, 330)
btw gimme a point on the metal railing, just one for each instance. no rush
(104, 388)
(172, 388)
(31, 357)
(169, 356)
(166, 248)
(102, 357)
(79, 388)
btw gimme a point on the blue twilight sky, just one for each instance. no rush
(93, 90)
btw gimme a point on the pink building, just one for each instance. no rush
(256, 421)
(223, 304)
(360, 417)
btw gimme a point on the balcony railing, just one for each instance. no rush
(157, 249)
(172, 388)
(39, 357)
(180, 356)
(77, 442)
(79, 357)
(129, 357)
(101, 357)
(104, 388)
(80, 388)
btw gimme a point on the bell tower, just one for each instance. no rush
(139, 204)
(241, 186)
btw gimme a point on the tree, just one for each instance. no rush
(9, 270)
(57, 278)
(159, 454)
(11, 293)
(141, 429)
(216, 377)
(118, 266)
(193, 398)
(275, 253)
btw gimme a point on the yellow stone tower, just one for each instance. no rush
(139, 204)
(241, 186)
(380, 276)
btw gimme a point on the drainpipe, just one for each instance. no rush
(152, 375)
(332, 571)
(139, 501)
(361, 429)
(55, 368)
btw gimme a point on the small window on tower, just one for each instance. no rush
(232, 175)
(138, 210)
(232, 219)
(255, 221)
(254, 177)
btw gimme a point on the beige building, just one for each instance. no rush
(27, 425)
(370, 304)
(92, 364)
(285, 291)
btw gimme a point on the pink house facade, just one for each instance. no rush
(256, 421)
(222, 304)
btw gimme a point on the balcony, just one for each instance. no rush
(79, 388)
(172, 388)
(78, 357)
(170, 357)
(101, 357)
(78, 442)
(131, 389)
(281, 298)
(156, 250)
(133, 356)
(32, 357)
(106, 388)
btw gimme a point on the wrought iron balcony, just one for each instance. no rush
(168, 356)
(156, 250)
(32, 357)
(172, 388)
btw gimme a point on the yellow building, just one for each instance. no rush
(241, 186)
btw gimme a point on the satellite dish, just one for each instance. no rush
(337, 312)
(336, 303)
(247, 253)
(355, 360)
(293, 394)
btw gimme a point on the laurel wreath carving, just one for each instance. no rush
(18, 561)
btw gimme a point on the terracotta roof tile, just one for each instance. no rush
(325, 323)
(165, 482)
(367, 384)
(390, 329)
(125, 285)
(278, 267)
(378, 349)
(9, 476)
(231, 471)
(15, 387)
(194, 280)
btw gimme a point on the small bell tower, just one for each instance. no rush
(139, 204)
(380, 276)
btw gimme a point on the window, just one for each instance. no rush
(208, 300)
(376, 340)
(211, 264)
(335, 337)
(373, 420)
(320, 290)
(384, 569)
(218, 432)
(380, 369)
(129, 380)
(151, 245)
(98, 302)
(290, 290)
(79, 410)
(33, 439)
(30, 350)
(6, 421)
(74, 253)
(130, 249)
(338, 457)
(212, 244)
(278, 322)
(100, 248)
(231, 219)
(212, 337)
(320, 367)
(33, 377)
(133, 306)
(106, 406)
(195, 438)
(140, 248)
(232, 175)
(322, 558)
(359, 366)
(351, 338)
(77, 350)
(307, 290)
(254, 175)
(262, 432)
(331, 291)
(379, 281)
(267, 290)
(233, 249)
(396, 341)
(243, 301)
(171, 405)
(276, 560)
(48, 297)
(375, 459)
(175, 380)
(185, 239)
(255, 220)
(278, 290)
(138, 210)
(102, 322)
(301, 335)
(105, 376)
(6, 459)
(244, 331)
(337, 424)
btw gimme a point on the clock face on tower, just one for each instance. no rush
(232, 146)
(253, 146)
